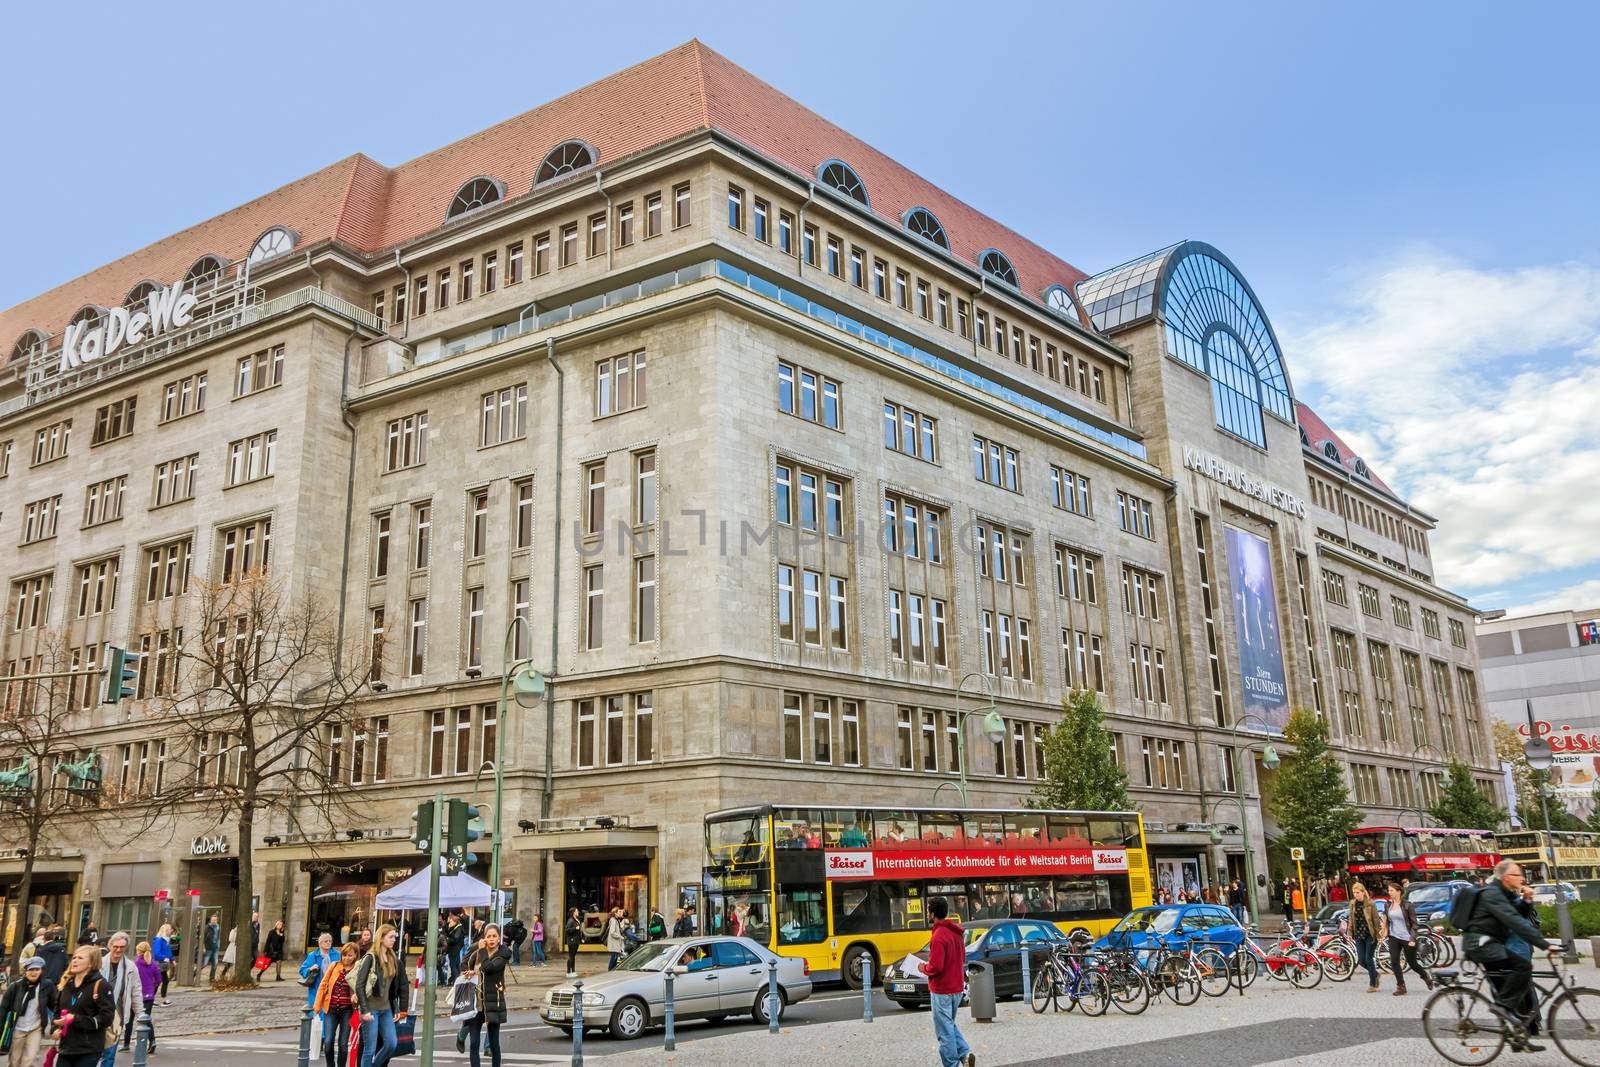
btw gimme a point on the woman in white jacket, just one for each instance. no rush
(231, 952)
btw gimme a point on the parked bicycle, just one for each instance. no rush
(1063, 978)
(1465, 1027)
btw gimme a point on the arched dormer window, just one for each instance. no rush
(30, 344)
(839, 176)
(926, 225)
(206, 272)
(1059, 300)
(138, 298)
(994, 263)
(479, 192)
(1331, 450)
(1361, 467)
(89, 316)
(565, 158)
(275, 242)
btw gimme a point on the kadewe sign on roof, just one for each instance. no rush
(169, 308)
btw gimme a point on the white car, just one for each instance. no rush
(1545, 892)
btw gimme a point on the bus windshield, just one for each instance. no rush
(736, 839)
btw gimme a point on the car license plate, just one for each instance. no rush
(558, 1013)
(902, 987)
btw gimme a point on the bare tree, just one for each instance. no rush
(255, 688)
(48, 780)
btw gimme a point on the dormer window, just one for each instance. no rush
(565, 158)
(926, 225)
(478, 193)
(995, 264)
(839, 176)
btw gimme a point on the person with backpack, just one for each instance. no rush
(25, 1013)
(515, 932)
(1491, 919)
(657, 926)
(380, 988)
(84, 1011)
(571, 938)
(946, 969)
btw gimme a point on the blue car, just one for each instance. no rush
(1431, 900)
(1174, 924)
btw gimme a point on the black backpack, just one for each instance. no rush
(1463, 905)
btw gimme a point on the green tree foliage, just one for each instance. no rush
(1311, 801)
(1461, 805)
(1080, 765)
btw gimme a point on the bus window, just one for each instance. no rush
(1113, 832)
(1024, 829)
(798, 827)
(895, 827)
(992, 900)
(984, 828)
(846, 828)
(881, 907)
(1069, 831)
(801, 918)
(935, 827)
(956, 894)
(741, 839)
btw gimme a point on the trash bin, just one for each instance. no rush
(980, 992)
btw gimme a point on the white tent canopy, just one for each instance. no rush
(455, 891)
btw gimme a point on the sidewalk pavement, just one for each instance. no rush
(198, 1010)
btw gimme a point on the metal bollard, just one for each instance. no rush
(142, 1032)
(1569, 945)
(866, 988)
(577, 1023)
(1027, 973)
(668, 1016)
(772, 997)
(305, 1038)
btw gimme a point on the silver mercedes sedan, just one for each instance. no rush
(713, 977)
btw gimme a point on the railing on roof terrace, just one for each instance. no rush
(822, 313)
(311, 294)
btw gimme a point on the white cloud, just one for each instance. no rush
(1476, 395)
(1579, 596)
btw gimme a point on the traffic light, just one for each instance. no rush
(464, 826)
(422, 835)
(122, 675)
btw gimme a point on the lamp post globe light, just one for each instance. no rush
(1271, 761)
(994, 728)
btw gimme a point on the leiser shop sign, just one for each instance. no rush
(965, 863)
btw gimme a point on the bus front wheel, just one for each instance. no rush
(856, 957)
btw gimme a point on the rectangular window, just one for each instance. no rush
(680, 205)
(594, 493)
(849, 733)
(514, 263)
(417, 649)
(996, 463)
(50, 442)
(619, 384)
(652, 215)
(858, 268)
(644, 733)
(786, 603)
(102, 501)
(938, 653)
(399, 303)
(1370, 604)
(616, 728)
(474, 635)
(40, 519)
(1430, 623)
(644, 599)
(250, 459)
(167, 570)
(419, 305)
(835, 258)
(811, 605)
(924, 305)
(466, 279)
(114, 420)
(644, 488)
(541, 254)
(786, 233)
(585, 733)
(376, 631)
(246, 550)
(421, 536)
(491, 264)
(186, 396)
(477, 523)
(407, 442)
(902, 290)
(735, 207)
(442, 290)
(941, 303)
(912, 528)
(521, 598)
(1070, 491)
(522, 513)
(594, 593)
(808, 395)
(174, 480)
(793, 728)
(760, 213)
(1333, 589)
(597, 235)
(963, 318)
(569, 244)
(1135, 516)
(821, 730)
(910, 432)
(97, 587)
(808, 244)
(903, 746)
(625, 224)
(32, 599)
(1401, 610)
(503, 415)
(1458, 633)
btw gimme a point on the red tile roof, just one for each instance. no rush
(372, 207)
(1318, 431)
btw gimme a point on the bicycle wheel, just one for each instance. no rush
(1462, 1027)
(1340, 962)
(1046, 990)
(1092, 993)
(1451, 954)
(1128, 989)
(1180, 979)
(1428, 952)
(1574, 1022)
(1246, 966)
(1215, 977)
(1306, 970)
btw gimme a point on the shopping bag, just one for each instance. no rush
(355, 1041)
(263, 962)
(464, 1000)
(405, 1032)
(50, 1057)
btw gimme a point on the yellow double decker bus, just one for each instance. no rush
(839, 886)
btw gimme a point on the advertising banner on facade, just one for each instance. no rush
(972, 863)
(1265, 691)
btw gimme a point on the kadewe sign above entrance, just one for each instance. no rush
(165, 309)
(971, 863)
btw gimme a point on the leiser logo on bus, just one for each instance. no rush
(940, 863)
(849, 865)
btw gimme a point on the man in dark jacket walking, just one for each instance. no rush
(54, 954)
(1500, 913)
(946, 969)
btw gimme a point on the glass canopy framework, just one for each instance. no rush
(1211, 321)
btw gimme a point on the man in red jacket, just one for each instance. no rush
(947, 977)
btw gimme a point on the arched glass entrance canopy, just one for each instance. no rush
(1210, 320)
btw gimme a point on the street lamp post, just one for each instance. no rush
(516, 676)
(1269, 760)
(1541, 757)
(994, 728)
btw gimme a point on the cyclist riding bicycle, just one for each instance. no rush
(1501, 912)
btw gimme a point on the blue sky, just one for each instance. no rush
(1409, 188)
